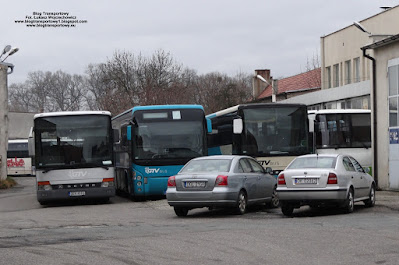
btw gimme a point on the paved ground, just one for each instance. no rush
(389, 199)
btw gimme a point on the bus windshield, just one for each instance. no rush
(346, 130)
(275, 131)
(73, 141)
(178, 139)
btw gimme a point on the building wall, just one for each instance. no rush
(382, 56)
(333, 95)
(344, 45)
(19, 125)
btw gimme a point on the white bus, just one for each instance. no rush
(18, 161)
(73, 155)
(343, 131)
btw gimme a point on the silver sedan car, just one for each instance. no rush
(317, 180)
(221, 181)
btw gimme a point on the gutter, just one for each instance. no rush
(374, 91)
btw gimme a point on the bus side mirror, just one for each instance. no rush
(31, 143)
(209, 125)
(237, 126)
(116, 135)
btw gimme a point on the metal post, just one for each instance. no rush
(3, 120)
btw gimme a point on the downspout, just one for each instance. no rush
(374, 91)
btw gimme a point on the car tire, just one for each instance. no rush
(275, 202)
(241, 206)
(370, 202)
(181, 212)
(287, 209)
(43, 203)
(349, 204)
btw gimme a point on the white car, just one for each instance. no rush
(324, 180)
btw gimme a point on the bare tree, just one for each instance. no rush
(66, 91)
(39, 84)
(216, 91)
(20, 98)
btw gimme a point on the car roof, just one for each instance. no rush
(227, 157)
(321, 155)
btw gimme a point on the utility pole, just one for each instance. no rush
(3, 120)
(4, 72)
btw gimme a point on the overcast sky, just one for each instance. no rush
(226, 36)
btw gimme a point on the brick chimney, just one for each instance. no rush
(258, 82)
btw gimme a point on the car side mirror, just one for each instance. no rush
(269, 170)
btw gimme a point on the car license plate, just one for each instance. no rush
(306, 181)
(194, 184)
(77, 193)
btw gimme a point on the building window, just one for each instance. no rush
(328, 76)
(356, 69)
(348, 72)
(393, 77)
(336, 75)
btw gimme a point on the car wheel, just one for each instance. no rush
(43, 203)
(287, 209)
(370, 202)
(241, 206)
(275, 200)
(181, 211)
(349, 202)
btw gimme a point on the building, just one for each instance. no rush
(385, 96)
(346, 73)
(285, 88)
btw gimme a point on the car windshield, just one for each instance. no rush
(207, 165)
(313, 162)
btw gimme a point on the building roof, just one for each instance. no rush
(301, 82)
(381, 43)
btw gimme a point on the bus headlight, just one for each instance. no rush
(44, 185)
(139, 177)
(139, 183)
(107, 182)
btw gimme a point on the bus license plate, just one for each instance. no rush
(194, 184)
(306, 181)
(77, 193)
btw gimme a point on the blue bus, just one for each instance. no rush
(273, 133)
(153, 143)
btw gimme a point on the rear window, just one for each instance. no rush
(208, 165)
(313, 162)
